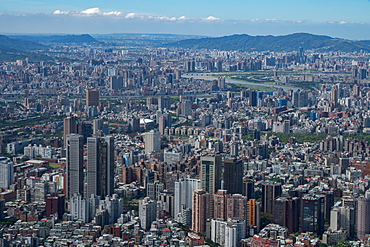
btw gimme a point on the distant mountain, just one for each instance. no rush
(290, 42)
(10, 55)
(14, 49)
(23, 45)
(66, 39)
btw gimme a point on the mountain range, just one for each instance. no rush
(16, 47)
(65, 39)
(291, 42)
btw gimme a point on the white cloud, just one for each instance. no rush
(265, 20)
(92, 11)
(132, 16)
(59, 12)
(98, 12)
(345, 22)
(211, 18)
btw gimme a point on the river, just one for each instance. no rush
(205, 76)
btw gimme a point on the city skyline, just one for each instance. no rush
(334, 18)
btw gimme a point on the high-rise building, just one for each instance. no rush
(152, 141)
(134, 124)
(221, 83)
(186, 107)
(363, 215)
(147, 212)
(312, 214)
(164, 121)
(233, 176)
(300, 98)
(184, 189)
(100, 166)
(286, 213)
(252, 98)
(248, 189)
(6, 172)
(92, 97)
(254, 210)
(210, 174)
(69, 127)
(97, 126)
(237, 207)
(55, 204)
(74, 166)
(228, 233)
(270, 191)
(343, 217)
(200, 211)
(220, 204)
(164, 103)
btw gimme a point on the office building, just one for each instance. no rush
(286, 213)
(270, 191)
(343, 217)
(74, 165)
(152, 141)
(312, 214)
(69, 127)
(363, 216)
(100, 166)
(92, 97)
(55, 204)
(233, 176)
(210, 174)
(248, 189)
(6, 172)
(134, 124)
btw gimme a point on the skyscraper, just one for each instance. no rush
(186, 107)
(210, 173)
(152, 141)
(286, 213)
(183, 194)
(200, 211)
(69, 127)
(233, 176)
(74, 148)
(6, 172)
(100, 166)
(300, 98)
(270, 191)
(92, 97)
(312, 214)
(363, 214)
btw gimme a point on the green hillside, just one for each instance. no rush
(290, 42)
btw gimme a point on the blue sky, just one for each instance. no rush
(338, 18)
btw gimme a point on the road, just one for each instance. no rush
(205, 76)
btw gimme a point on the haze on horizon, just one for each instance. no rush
(340, 18)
